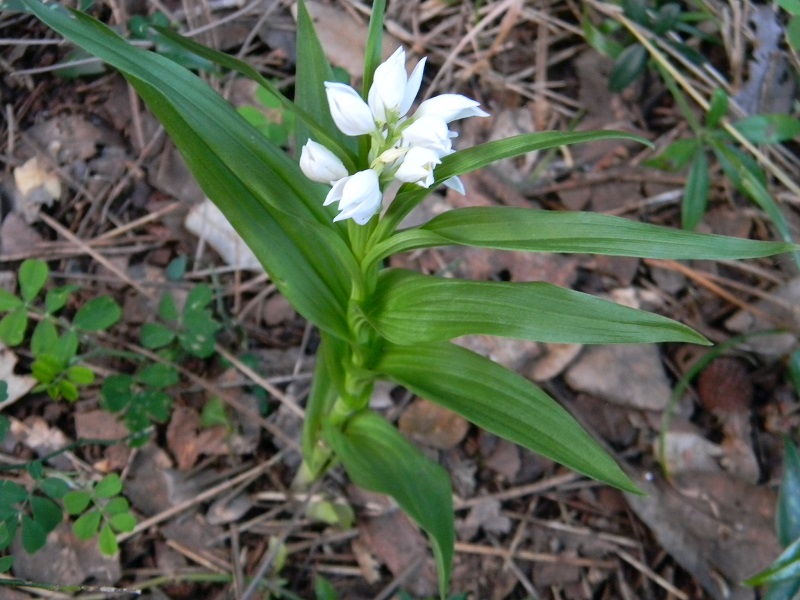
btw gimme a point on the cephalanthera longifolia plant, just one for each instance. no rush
(383, 323)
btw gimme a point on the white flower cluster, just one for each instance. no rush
(403, 148)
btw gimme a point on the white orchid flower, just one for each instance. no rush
(349, 111)
(392, 91)
(320, 164)
(417, 166)
(430, 132)
(359, 196)
(450, 107)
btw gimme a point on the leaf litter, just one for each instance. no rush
(214, 500)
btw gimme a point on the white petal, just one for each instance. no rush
(349, 111)
(454, 183)
(335, 195)
(320, 164)
(388, 86)
(412, 87)
(450, 107)
(429, 131)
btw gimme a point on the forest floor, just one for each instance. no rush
(92, 185)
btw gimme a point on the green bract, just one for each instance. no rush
(389, 324)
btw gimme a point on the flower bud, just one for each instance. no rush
(320, 164)
(349, 111)
(392, 90)
(417, 166)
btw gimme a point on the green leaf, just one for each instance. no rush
(85, 526)
(787, 514)
(97, 315)
(158, 375)
(55, 487)
(57, 298)
(199, 335)
(107, 542)
(176, 268)
(676, 156)
(46, 513)
(156, 404)
(786, 567)
(35, 469)
(410, 308)
(66, 348)
(768, 129)
(153, 335)
(500, 401)
(34, 537)
(373, 53)
(9, 301)
(378, 458)
(313, 70)
(44, 338)
(5, 424)
(167, 309)
(717, 109)
(308, 120)
(80, 375)
(108, 486)
(783, 590)
(116, 506)
(695, 196)
(214, 414)
(46, 368)
(33, 275)
(13, 326)
(64, 388)
(6, 562)
(123, 522)
(598, 40)
(261, 191)
(323, 589)
(482, 155)
(198, 298)
(630, 64)
(793, 32)
(76, 501)
(116, 392)
(509, 228)
(11, 493)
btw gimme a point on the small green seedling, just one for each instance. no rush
(192, 330)
(740, 168)
(666, 20)
(141, 398)
(34, 512)
(55, 341)
(107, 512)
(783, 576)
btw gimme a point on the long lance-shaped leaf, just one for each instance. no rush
(329, 138)
(377, 457)
(477, 157)
(499, 401)
(295, 260)
(525, 229)
(259, 189)
(409, 308)
(313, 70)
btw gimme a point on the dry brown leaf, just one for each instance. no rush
(18, 385)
